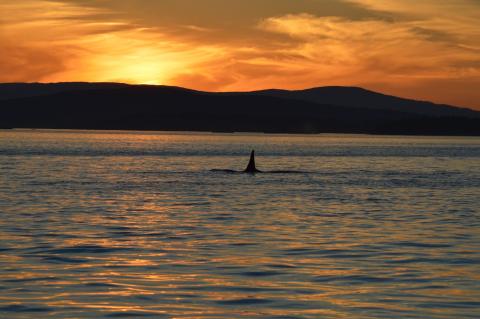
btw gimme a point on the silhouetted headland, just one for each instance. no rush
(114, 106)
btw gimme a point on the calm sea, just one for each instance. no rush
(134, 225)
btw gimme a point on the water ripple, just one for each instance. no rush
(132, 225)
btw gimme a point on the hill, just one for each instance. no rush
(358, 97)
(139, 107)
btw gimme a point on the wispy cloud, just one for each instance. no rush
(403, 47)
(399, 49)
(57, 41)
(381, 53)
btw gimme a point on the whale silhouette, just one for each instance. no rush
(251, 168)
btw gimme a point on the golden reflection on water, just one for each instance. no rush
(125, 224)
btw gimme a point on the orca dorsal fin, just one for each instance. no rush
(251, 164)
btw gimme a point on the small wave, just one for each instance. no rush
(59, 260)
(224, 217)
(244, 244)
(353, 279)
(283, 266)
(226, 171)
(450, 305)
(287, 172)
(128, 314)
(260, 273)
(31, 279)
(232, 288)
(244, 302)
(100, 285)
(231, 171)
(23, 308)
(421, 245)
(445, 261)
(86, 249)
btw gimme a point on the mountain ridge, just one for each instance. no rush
(84, 105)
(69, 86)
(360, 97)
(18, 90)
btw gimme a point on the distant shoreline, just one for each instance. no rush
(179, 132)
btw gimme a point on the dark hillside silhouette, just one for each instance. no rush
(21, 90)
(119, 106)
(358, 97)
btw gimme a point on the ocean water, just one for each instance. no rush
(135, 225)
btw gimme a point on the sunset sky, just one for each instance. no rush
(422, 49)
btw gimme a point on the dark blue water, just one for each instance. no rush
(133, 225)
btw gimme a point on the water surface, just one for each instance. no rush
(133, 225)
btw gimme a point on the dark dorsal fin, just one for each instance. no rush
(251, 165)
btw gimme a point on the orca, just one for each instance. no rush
(251, 168)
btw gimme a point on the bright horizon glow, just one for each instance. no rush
(425, 50)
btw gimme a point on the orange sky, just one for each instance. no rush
(423, 49)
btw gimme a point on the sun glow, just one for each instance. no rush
(143, 66)
(427, 52)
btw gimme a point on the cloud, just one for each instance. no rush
(392, 46)
(27, 63)
(421, 8)
(397, 49)
(456, 18)
(362, 52)
(39, 38)
(56, 41)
